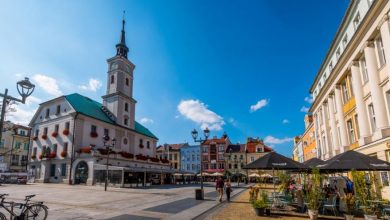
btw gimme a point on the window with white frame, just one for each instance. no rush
(351, 132)
(363, 70)
(344, 91)
(371, 112)
(380, 51)
(330, 67)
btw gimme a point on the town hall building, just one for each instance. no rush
(67, 135)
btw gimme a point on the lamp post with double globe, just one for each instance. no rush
(206, 133)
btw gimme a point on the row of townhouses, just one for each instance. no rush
(351, 91)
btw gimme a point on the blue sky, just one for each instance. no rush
(244, 67)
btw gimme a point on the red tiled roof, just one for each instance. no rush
(215, 140)
(171, 146)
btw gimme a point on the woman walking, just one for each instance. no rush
(228, 189)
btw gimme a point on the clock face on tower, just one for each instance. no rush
(114, 66)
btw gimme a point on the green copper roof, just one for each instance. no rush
(92, 108)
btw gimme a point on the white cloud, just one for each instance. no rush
(93, 85)
(48, 84)
(305, 109)
(33, 100)
(260, 104)
(20, 115)
(198, 112)
(309, 99)
(285, 121)
(273, 140)
(146, 121)
(233, 121)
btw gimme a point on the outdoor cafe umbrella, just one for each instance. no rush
(216, 174)
(313, 162)
(275, 161)
(353, 160)
(254, 175)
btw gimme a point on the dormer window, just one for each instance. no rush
(58, 109)
(47, 113)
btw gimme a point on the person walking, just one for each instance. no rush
(219, 187)
(228, 189)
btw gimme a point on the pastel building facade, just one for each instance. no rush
(190, 158)
(351, 91)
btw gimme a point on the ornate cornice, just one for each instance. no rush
(383, 20)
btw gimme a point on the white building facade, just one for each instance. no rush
(67, 132)
(351, 91)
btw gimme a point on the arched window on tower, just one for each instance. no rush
(127, 81)
(112, 79)
(126, 120)
(126, 107)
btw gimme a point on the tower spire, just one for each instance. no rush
(121, 48)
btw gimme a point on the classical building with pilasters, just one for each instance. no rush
(351, 91)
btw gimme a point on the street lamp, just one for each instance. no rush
(106, 139)
(206, 133)
(25, 89)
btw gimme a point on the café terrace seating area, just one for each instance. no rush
(343, 187)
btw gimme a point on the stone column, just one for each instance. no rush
(376, 91)
(385, 34)
(340, 119)
(325, 124)
(364, 127)
(316, 137)
(333, 126)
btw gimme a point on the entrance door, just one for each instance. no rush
(81, 174)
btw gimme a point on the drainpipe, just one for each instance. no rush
(73, 151)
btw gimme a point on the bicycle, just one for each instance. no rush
(29, 210)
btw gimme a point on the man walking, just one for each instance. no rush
(219, 187)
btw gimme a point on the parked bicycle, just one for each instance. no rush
(28, 209)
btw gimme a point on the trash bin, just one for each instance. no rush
(199, 194)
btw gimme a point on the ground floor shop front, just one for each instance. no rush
(94, 170)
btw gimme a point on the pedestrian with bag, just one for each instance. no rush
(228, 189)
(219, 187)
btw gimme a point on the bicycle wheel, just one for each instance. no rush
(2, 216)
(36, 212)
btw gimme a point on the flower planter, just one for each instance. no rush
(85, 150)
(63, 154)
(259, 211)
(370, 217)
(33, 157)
(41, 156)
(268, 212)
(54, 134)
(52, 155)
(313, 214)
(35, 138)
(93, 135)
(65, 132)
(44, 137)
(348, 217)
(126, 155)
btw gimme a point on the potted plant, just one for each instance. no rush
(364, 192)
(52, 155)
(44, 136)
(63, 154)
(260, 204)
(350, 204)
(314, 195)
(54, 134)
(33, 157)
(65, 132)
(94, 135)
(35, 138)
